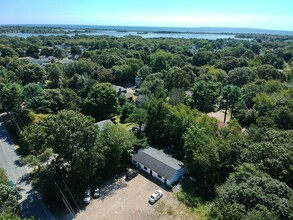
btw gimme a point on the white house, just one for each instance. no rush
(159, 165)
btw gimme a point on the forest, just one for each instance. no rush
(244, 168)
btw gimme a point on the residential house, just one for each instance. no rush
(119, 89)
(64, 61)
(102, 124)
(159, 165)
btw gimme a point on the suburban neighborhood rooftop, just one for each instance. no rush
(158, 161)
(102, 124)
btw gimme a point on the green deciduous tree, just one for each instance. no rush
(33, 51)
(3, 177)
(118, 145)
(249, 190)
(73, 137)
(126, 110)
(11, 97)
(202, 58)
(35, 98)
(160, 60)
(38, 159)
(71, 100)
(241, 76)
(31, 73)
(102, 101)
(139, 116)
(202, 157)
(8, 198)
(6, 51)
(177, 78)
(272, 155)
(154, 86)
(55, 75)
(204, 95)
(58, 53)
(269, 72)
(231, 99)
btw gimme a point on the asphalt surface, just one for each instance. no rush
(31, 204)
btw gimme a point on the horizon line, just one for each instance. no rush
(252, 28)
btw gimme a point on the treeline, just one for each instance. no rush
(43, 30)
(245, 167)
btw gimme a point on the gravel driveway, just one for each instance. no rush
(129, 200)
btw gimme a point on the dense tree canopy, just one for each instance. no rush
(102, 101)
(245, 164)
(249, 191)
(8, 198)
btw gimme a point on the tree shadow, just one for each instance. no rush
(32, 206)
(110, 186)
(26, 179)
(156, 181)
(18, 162)
(4, 136)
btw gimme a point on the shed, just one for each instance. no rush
(159, 165)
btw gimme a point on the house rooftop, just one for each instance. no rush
(102, 124)
(158, 161)
(65, 61)
(119, 89)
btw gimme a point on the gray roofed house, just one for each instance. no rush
(64, 61)
(102, 124)
(159, 165)
(119, 89)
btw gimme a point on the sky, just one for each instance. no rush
(266, 14)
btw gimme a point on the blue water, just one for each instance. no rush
(213, 30)
(152, 32)
(147, 35)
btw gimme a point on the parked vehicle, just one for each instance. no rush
(97, 193)
(87, 196)
(131, 174)
(155, 196)
(193, 179)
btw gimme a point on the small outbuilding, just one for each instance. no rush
(159, 165)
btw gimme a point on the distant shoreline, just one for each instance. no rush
(18, 29)
(79, 29)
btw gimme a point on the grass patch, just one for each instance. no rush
(127, 126)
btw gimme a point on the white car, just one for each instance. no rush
(97, 193)
(155, 196)
(87, 196)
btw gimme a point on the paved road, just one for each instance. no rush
(31, 204)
